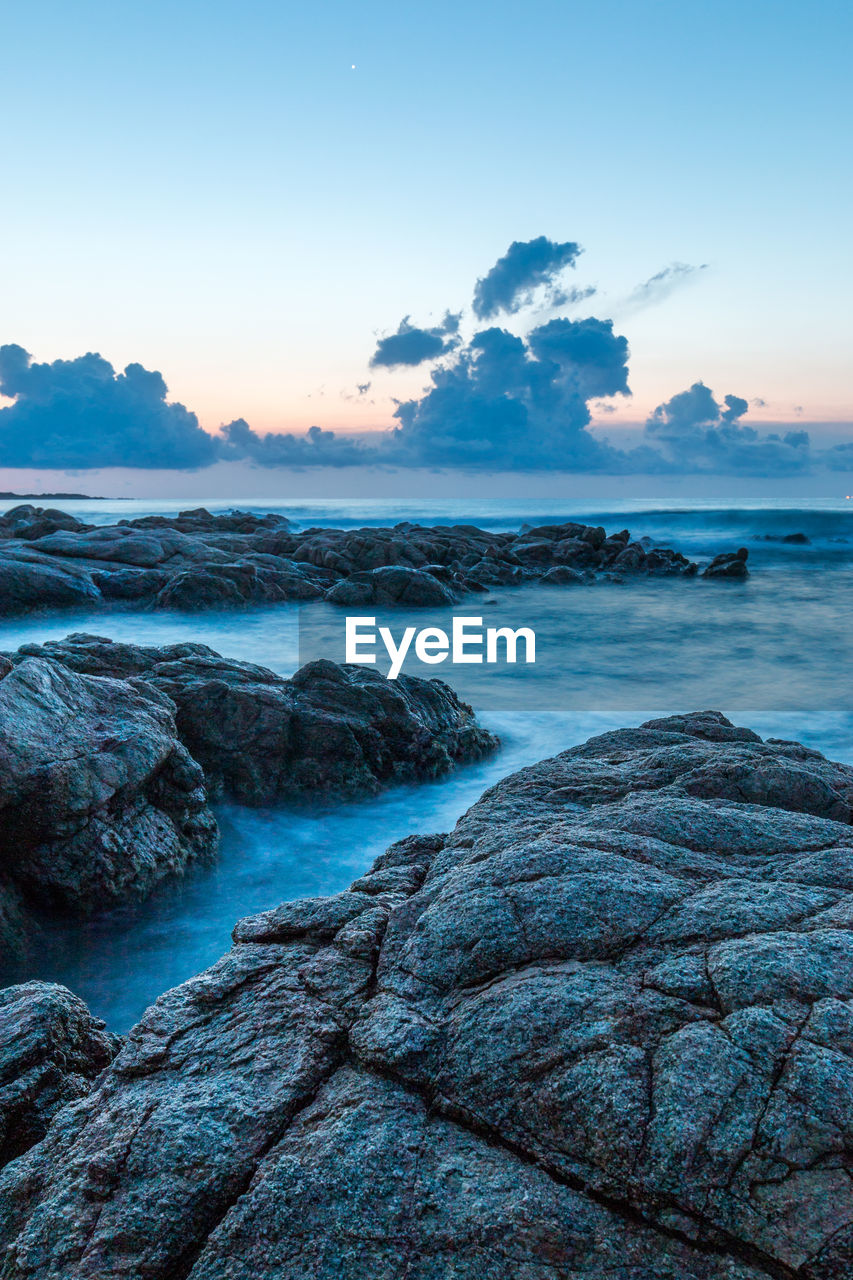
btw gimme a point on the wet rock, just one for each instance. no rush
(51, 1050)
(391, 585)
(198, 561)
(562, 575)
(329, 732)
(203, 1090)
(234, 584)
(602, 1029)
(130, 584)
(27, 584)
(728, 566)
(629, 559)
(99, 800)
(30, 522)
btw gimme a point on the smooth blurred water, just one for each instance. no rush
(772, 652)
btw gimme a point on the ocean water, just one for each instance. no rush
(772, 652)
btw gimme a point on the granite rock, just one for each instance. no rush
(197, 561)
(99, 799)
(602, 1029)
(329, 732)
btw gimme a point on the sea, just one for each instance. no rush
(771, 652)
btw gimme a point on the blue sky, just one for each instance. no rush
(211, 190)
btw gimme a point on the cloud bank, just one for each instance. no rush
(693, 432)
(498, 401)
(81, 413)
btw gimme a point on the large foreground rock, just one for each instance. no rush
(604, 1029)
(196, 560)
(99, 800)
(328, 732)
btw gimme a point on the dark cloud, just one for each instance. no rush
(81, 413)
(663, 283)
(839, 457)
(75, 414)
(510, 403)
(317, 448)
(412, 346)
(525, 266)
(692, 432)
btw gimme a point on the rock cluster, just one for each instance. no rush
(601, 1030)
(329, 732)
(197, 560)
(110, 754)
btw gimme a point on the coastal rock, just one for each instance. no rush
(230, 584)
(391, 585)
(30, 522)
(26, 585)
(602, 1029)
(328, 732)
(200, 561)
(562, 575)
(99, 800)
(728, 566)
(51, 1049)
(796, 539)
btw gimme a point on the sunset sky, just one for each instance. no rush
(248, 197)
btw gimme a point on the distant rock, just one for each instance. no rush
(197, 560)
(30, 522)
(796, 539)
(328, 732)
(728, 566)
(602, 1029)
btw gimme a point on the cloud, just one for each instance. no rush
(662, 284)
(81, 413)
(498, 402)
(692, 432)
(559, 297)
(526, 265)
(412, 346)
(512, 403)
(317, 448)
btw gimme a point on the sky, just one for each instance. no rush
(252, 198)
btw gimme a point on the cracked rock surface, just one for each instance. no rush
(604, 1029)
(330, 731)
